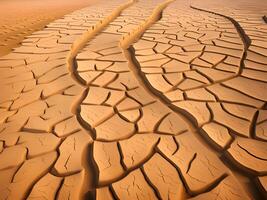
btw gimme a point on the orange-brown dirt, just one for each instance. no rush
(19, 18)
(138, 99)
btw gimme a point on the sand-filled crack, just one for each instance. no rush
(244, 37)
(137, 100)
(104, 134)
(82, 40)
(199, 113)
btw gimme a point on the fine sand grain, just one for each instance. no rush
(138, 99)
(19, 18)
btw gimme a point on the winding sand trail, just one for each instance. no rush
(138, 99)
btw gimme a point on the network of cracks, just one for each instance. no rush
(148, 99)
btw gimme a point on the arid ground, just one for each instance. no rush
(137, 100)
(20, 18)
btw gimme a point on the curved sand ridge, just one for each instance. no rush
(170, 116)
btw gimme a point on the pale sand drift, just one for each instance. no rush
(148, 99)
(19, 18)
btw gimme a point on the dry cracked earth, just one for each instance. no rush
(138, 100)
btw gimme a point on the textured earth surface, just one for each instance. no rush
(20, 18)
(138, 100)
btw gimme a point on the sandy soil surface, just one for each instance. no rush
(19, 18)
(148, 100)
